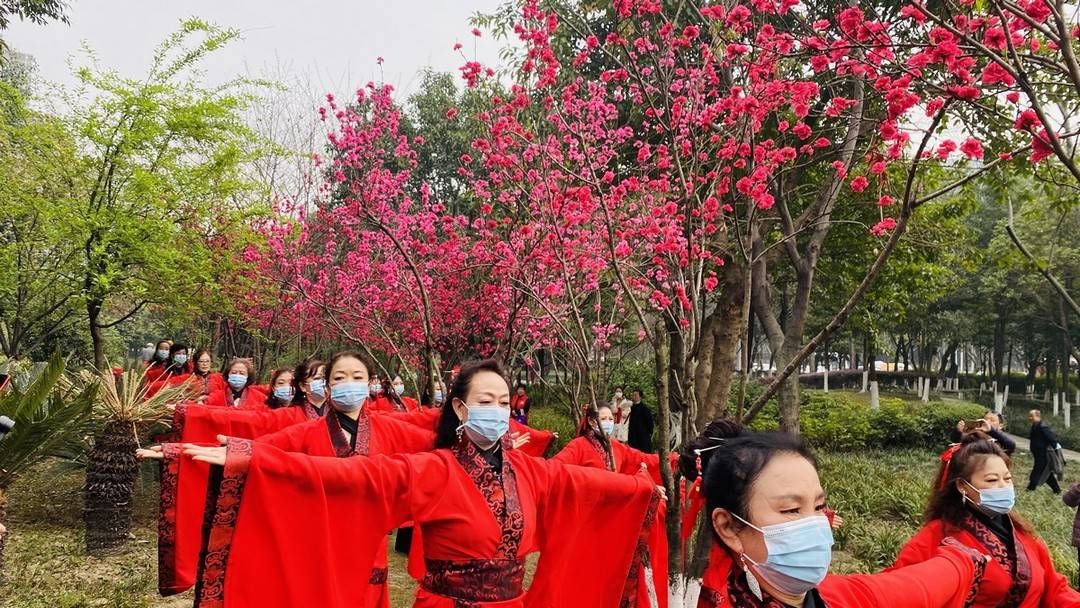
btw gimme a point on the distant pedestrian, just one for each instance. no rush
(520, 404)
(639, 435)
(1043, 441)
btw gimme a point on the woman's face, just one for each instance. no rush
(238, 368)
(182, 351)
(786, 490)
(487, 389)
(318, 374)
(347, 369)
(992, 474)
(605, 414)
(204, 362)
(283, 379)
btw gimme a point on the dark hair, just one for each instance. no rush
(194, 360)
(946, 501)
(718, 430)
(388, 391)
(171, 363)
(160, 342)
(590, 427)
(737, 462)
(303, 372)
(446, 432)
(349, 354)
(271, 400)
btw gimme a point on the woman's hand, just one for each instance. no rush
(213, 455)
(836, 521)
(663, 492)
(520, 439)
(153, 452)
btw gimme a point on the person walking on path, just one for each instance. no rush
(641, 424)
(1042, 441)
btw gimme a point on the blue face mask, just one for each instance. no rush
(180, 359)
(375, 389)
(438, 396)
(608, 426)
(163, 354)
(399, 389)
(349, 396)
(283, 393)
(317, 388)
(237, 381)
(996, 500)
(799, 554)
(486, 424)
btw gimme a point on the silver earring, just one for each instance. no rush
(751, 580)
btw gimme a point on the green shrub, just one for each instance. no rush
(841, 421)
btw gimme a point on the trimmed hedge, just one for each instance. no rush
(839, 421)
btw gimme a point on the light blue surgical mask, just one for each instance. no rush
(799, 554)
(486, 424)
(180, 359)
(399, 389)
(317, 388)
(608, 426)
(375, 389)
(349, 396)
(237, 381)
(996, 500)
(438, 396)
(283, 393)
(162, 354)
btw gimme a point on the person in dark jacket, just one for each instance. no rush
(1072, 498)
(640, 432)
(995, 428)
(1042, 439)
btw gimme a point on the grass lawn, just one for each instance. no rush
(879, 494)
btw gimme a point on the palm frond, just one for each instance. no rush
(50, 419)
(125, 397)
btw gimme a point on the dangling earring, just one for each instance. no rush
(751, 580)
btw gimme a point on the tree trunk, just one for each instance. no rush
(662, 361)
(730, 325)
(93, 315)
(111, 471)
(999, 352)
(788, 395)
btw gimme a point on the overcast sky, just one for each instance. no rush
(335, 44)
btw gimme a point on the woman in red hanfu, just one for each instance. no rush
(772, 543)
(184, 482)
(351, 430)
(481, 508)
(156, 367)
(594, 448)
(411, 405)
(204, 380)
(239, 391)
(282, 391)
(309, 382)
(534, 442)
(972, 503)
(176, 370)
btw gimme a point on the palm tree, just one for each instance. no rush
(122, 407)
(50, 414)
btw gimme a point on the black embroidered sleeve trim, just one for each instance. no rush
(224, 498)
(170, 471)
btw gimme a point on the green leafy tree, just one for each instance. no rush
(165, 156)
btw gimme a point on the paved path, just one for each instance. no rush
(1025, 445)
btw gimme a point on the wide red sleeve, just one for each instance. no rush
(947, 580)
(1057, 593)
(425, 418)
(920, 547)
(294, 530)
(180, 518)
(204, 424)
(539, 440)
(574, 452)
(593, 532)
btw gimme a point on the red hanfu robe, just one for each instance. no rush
(944, 581)
(184, 481)
(375, 435)
(209, 383)
(153, 372)
(1023, 578)
(477, 524)
(587, 451)
(252, 398)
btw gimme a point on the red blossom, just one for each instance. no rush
(859, 184)
(972, 148)
(883, 227)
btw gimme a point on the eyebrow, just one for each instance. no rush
(797, 497)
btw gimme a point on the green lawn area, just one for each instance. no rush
(880, 495)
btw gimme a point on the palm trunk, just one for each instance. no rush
(111, 472)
